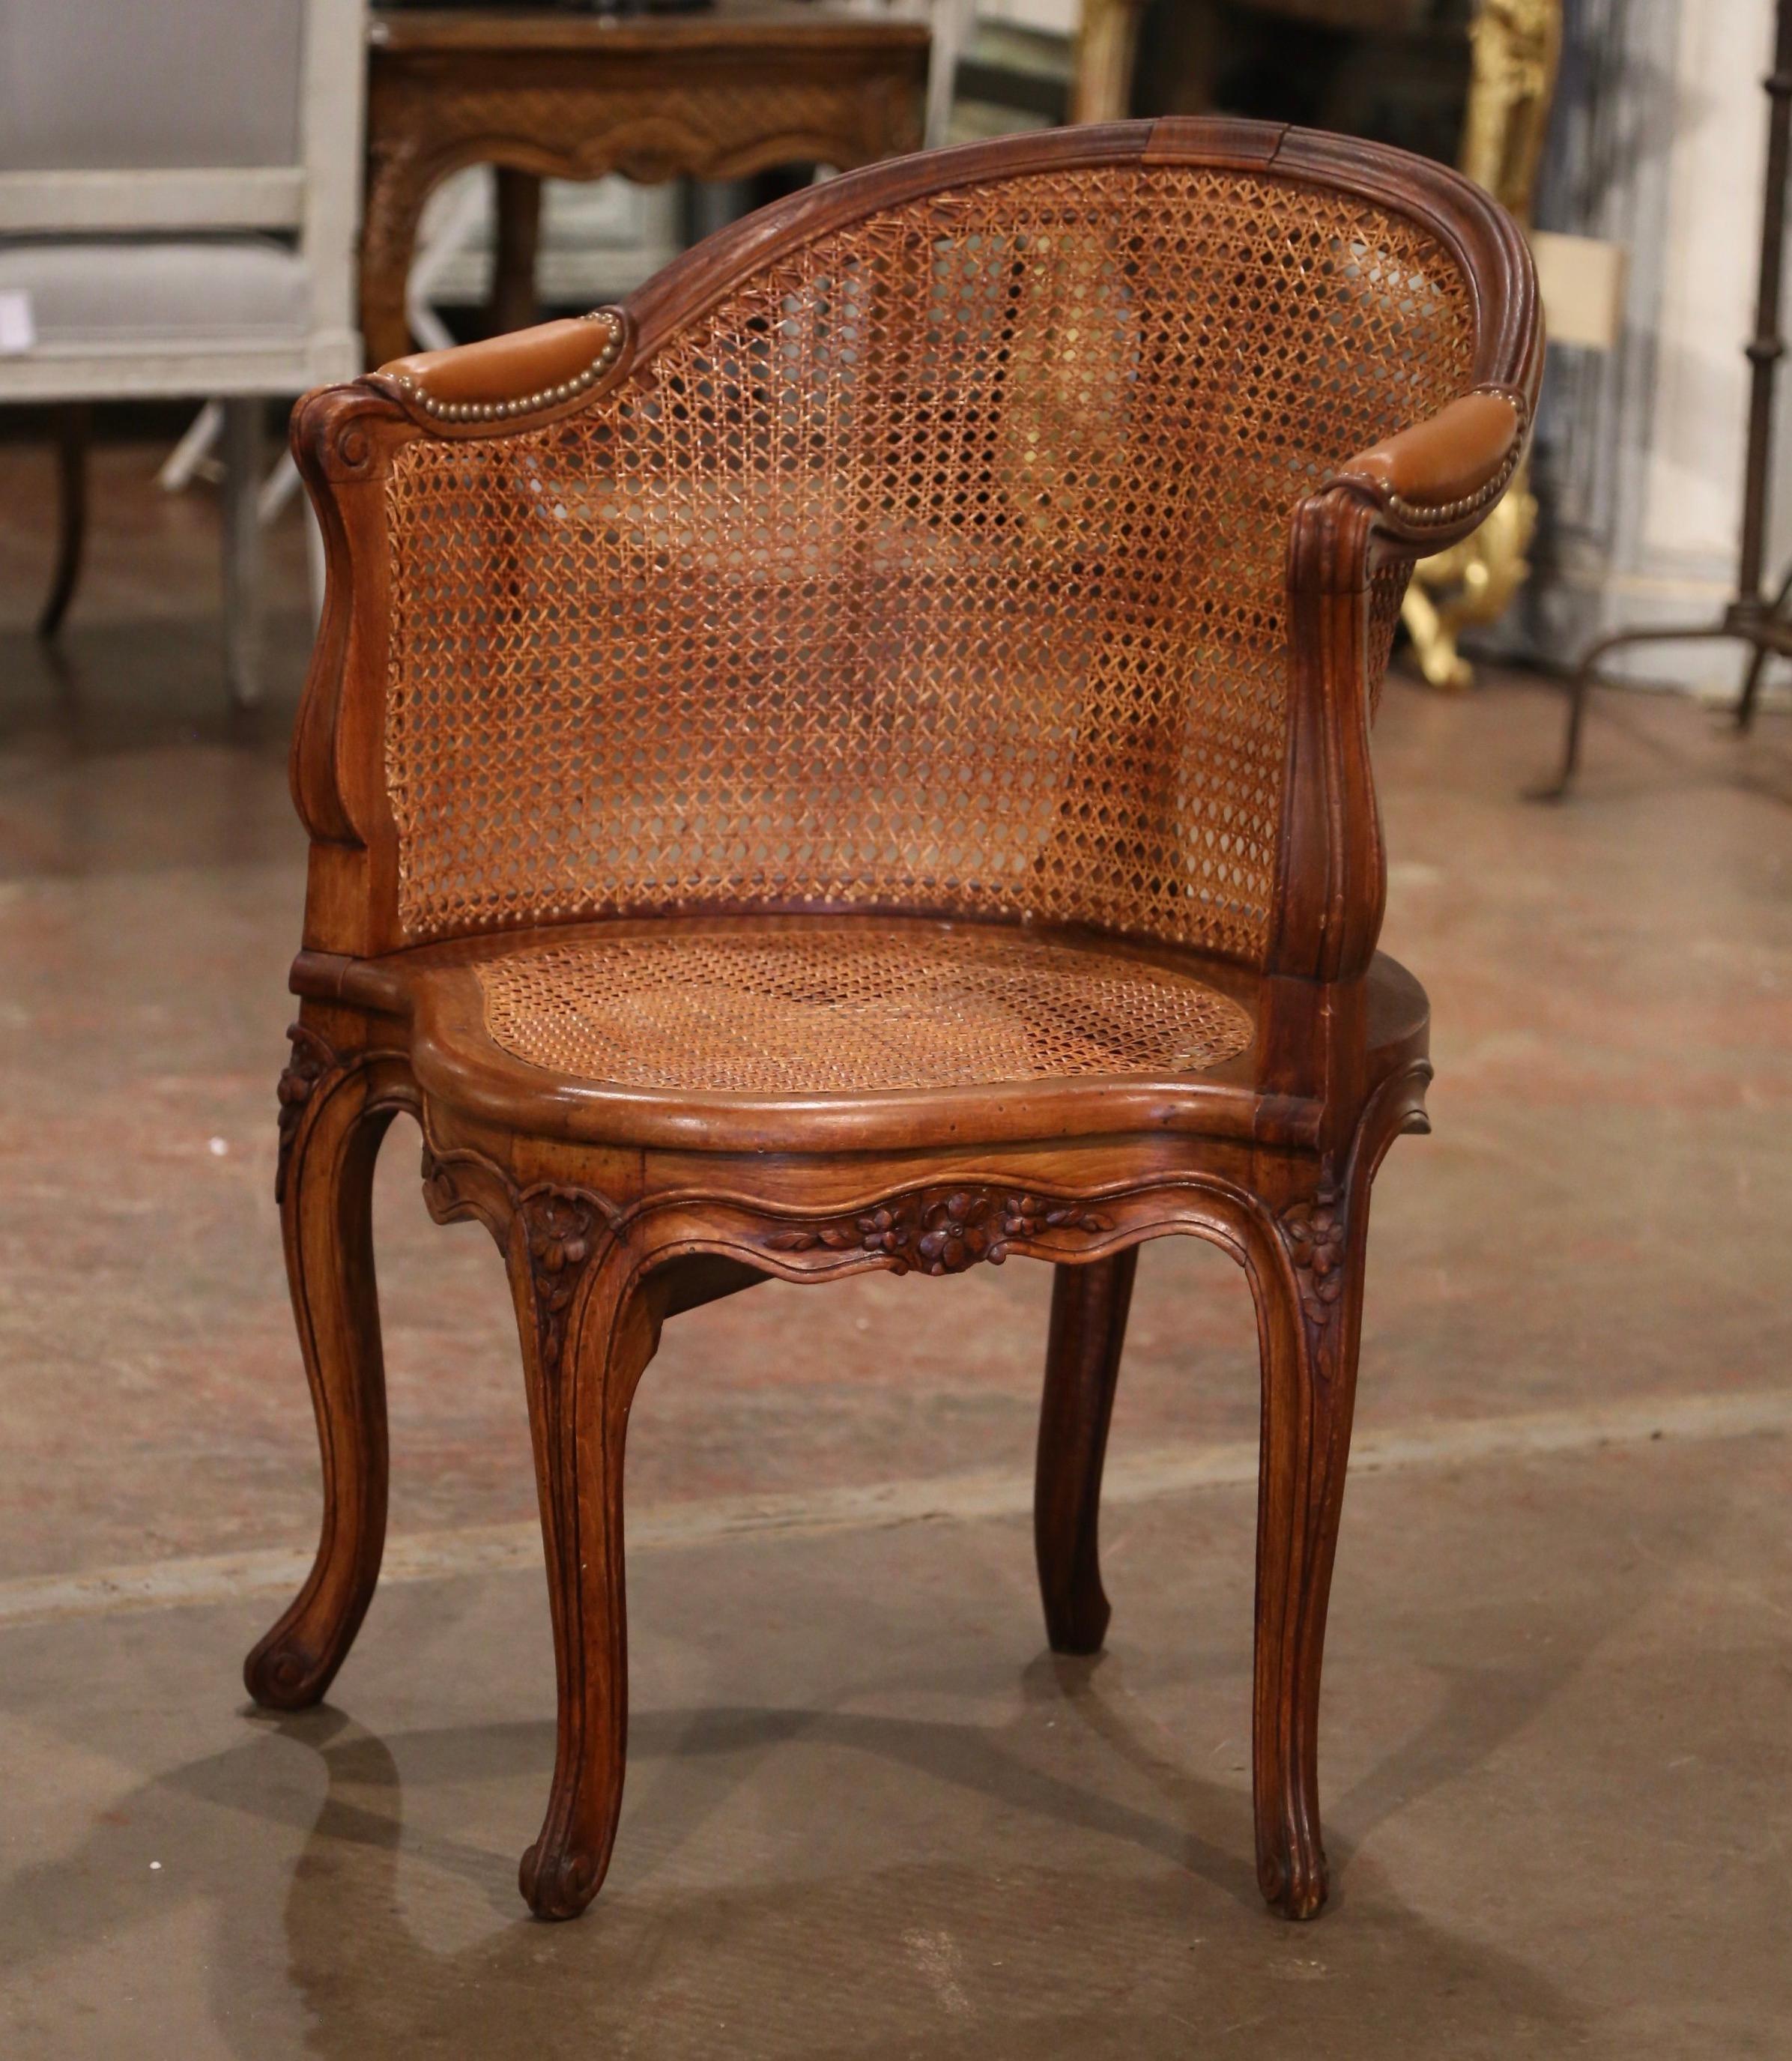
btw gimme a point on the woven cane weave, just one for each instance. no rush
(830, 1007)
(939, 566)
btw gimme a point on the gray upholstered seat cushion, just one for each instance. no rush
(102, 294)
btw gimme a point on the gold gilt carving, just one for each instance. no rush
(1516, 47)
(1107, 45)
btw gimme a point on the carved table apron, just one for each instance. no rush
(747, 85)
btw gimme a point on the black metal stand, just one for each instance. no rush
(1764, 626)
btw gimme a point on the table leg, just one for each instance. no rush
(398, 182)
(519, 237)
(74, 429)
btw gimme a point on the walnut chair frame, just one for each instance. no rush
(554, 573)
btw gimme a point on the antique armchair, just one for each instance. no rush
(860, 758)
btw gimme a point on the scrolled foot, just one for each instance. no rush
(293, 1667)
(1078, 1624)
(282, 1674)
(329, 1141)
(1296, 1882)
(559, 1885)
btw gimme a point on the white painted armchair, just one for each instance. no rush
(179, 183)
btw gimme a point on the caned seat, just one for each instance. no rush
(770, 1025)
(831, 1006)
(859, 759)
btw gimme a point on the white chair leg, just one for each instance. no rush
(191, 452)
(457, 213)
(242, 549)
(278, 488)
(953, 22)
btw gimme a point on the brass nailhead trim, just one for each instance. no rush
(1421, 514)
(1436, 513)
(523, 404)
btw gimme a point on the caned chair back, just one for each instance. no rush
(927, 553)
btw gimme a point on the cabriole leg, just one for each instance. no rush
(1309, 1316)
(329, 1142)
(588, 1333)
(1089, 1307)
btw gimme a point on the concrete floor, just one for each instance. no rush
(866, 1816)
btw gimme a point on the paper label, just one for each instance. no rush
(18, 331)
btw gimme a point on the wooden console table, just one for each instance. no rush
(745, 86)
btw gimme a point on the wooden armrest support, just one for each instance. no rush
(1449, 467)
(509, 375)
(1412, 494)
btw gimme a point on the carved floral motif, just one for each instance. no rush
(943, 1231)
(1314, 1233)
(1027, 1216)
(563, 1228)
(564, 1231)
(312, 1057)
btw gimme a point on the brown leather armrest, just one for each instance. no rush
(514, 375)
(1443, 468)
